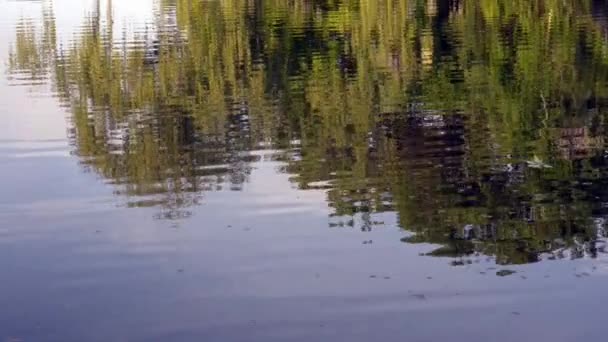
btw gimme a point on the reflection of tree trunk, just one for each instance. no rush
(96, 18)
(110, 29)
(442, 10)
(255, 26)
(599, 10)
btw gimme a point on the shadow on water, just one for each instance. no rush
(480, 124)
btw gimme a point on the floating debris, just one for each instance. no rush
(504, 273)
(419, 296)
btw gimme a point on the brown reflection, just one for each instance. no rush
(480, 124)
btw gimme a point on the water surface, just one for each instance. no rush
(222, 170)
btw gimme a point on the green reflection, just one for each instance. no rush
(480, 123)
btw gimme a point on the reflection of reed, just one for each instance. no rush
(420, 109)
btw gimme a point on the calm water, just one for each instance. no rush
(355, 170)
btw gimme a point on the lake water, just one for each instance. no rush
(355, 170)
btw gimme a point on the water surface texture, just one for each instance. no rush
(303, 170)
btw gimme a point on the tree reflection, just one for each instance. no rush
(480, 123)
